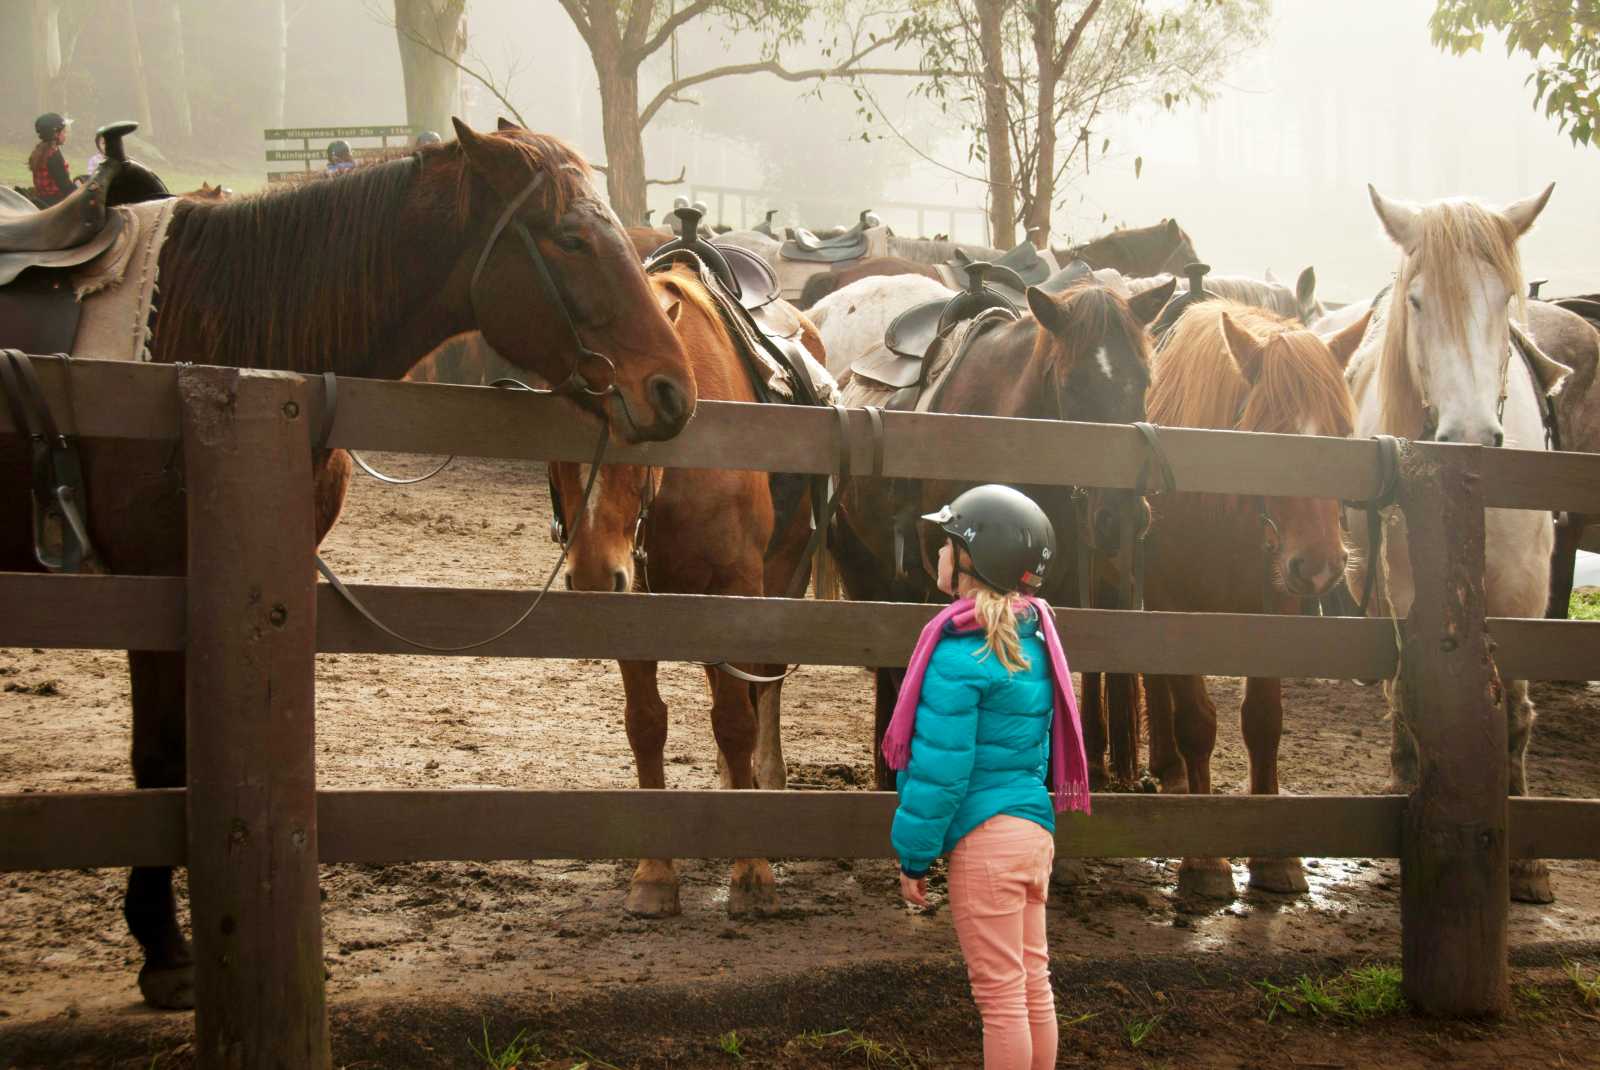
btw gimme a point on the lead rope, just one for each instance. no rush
(328, 417)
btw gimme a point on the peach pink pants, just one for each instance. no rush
(999, 878)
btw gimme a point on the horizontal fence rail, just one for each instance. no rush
(147, 613)
(123, 400)
(147, 828)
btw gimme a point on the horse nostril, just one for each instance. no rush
(1297, 568)
(668, 398)
(619, 581)
(568, 578)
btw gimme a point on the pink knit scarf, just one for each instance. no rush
(1068, 765)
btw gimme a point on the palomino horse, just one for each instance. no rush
(1232, 367)
(1082, 355)
(1438, 363)
(362, 276)
(693, 531)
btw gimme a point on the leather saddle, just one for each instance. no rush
(1024, 261)
(765, 226)
(1059, 283)
(1195, 294)
(851, 245)
(742, 273)
(38, 310)
(82, 226)
(900, 361)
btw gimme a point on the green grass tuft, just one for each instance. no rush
(1357, 995)
(732, 1044)
(1587, 982)
(521, 1048)
(1138, 1030)
(1585, 605)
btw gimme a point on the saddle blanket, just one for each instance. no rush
(118, 288)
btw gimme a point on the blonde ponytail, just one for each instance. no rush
(998, 614)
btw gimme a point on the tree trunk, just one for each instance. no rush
(141, 86)
(433, 82)
(177, 67)
(619, 116)
(1044, 179)
(46, 38)
(996, 127)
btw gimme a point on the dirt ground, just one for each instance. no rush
(422, 958)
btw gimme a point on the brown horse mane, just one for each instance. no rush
(1198, 384)
(296, 278)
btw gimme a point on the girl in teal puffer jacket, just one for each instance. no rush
(985, 718)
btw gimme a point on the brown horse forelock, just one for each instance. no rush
(321, 276)
(1298, 387)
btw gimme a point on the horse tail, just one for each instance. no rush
(817, 287)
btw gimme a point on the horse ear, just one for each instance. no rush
(1270, 277)
(487, 157)
(506, 124)
(1343, 345)
(1305, 287)
(1148, 305)
(1402, 221)
(1247, 353)
(1045, 310)
(1174, 232)
(1523, 213)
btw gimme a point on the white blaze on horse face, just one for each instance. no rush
(1104, 361)
(1460, 365)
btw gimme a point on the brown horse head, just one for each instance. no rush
(606, 537)
(595, 279)
(1163, 248)
(208, 192)
(1240, 368)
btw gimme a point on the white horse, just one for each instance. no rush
(1437, 361)
(852, 319)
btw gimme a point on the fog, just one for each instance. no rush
(1272, 173)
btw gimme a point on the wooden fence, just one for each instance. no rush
(251, 619)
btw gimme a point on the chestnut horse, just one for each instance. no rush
(1082, 355)
(694, 531)
(363, 276)
(1232, 367)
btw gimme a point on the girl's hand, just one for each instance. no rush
(914, 890)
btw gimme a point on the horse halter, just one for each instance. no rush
(577, 383)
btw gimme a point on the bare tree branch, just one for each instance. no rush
(485, 80)
(640, 12)
(682, 172)
(673, 22)
(575, 12)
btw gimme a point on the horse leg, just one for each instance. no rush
(1093, 711)
(1166, 764)
(1122, 706)
(157, 682)
(771, 774)
(653, 892)
(1530, 877)
(752, 890)
(1563, 562)
(1195, 722)
(1261, 718)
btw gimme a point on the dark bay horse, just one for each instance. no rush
(1233, 367)
(1082, 355)
(1163, 248)
(694, 531)
(361, 276)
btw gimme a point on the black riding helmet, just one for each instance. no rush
(1006, 534)
(428, 137)
(49, 125)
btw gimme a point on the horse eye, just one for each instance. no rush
(571, 243)
(1416, 302)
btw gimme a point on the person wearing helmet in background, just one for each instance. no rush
(340, 158)
(427, 137)
(985, 733)
(52, 179)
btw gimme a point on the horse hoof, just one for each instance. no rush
(1530, 882)
(169, 988)
(772, 778)
(753, 894)
(652, 899)
(1282, 875)
(1205, 878)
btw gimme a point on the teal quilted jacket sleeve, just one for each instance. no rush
(943, 750)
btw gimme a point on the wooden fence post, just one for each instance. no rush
(1454, 876)
(257, 920)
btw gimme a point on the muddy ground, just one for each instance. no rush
(420, 956)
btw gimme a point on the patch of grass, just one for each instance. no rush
(1585, 605)
(731, 1043)
(874, 1053)
(1587, 982)
(521, 1048)
(1357, 995)
(592, 1061)
(1068, 1023)
(1138, 1030)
